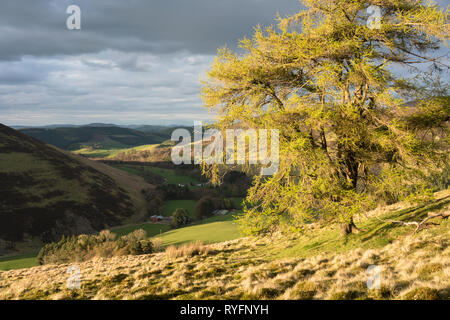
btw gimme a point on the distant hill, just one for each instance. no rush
(95, 135)
(165, 130)
(46, 192)
(51, 126)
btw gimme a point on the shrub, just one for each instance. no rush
(85, 247)
(203, 208)
(154, 201)
(228, 204)
(180, 218)
(136, 235)
(157, 244)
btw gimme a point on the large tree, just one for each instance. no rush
(361, 120)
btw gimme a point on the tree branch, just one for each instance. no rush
(419, 225)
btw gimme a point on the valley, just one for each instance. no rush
(133, 178)
(206, 252)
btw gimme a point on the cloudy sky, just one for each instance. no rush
(132, 62)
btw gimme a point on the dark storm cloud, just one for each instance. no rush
(134, 61)
(200, 26)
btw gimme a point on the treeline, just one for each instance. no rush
(85, 247)
(205, 207)
(235, 185)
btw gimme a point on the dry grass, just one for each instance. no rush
(188, 250)
(414, 267)
(411, 266)
(158, 244)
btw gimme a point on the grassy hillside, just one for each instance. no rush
(47, 192)
(169, 174)
(112, 153)
(315, 264)
(18, 262)
(147, 153)
(211, 230)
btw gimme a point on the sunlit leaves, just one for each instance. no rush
(324, 78)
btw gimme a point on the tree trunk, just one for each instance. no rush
(349, 228)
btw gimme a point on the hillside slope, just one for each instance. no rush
(317, 264)
(46, 193)
(102, 137)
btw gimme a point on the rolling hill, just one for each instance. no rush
(95, 136)
(46, 192)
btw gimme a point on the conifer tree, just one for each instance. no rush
(354, 87)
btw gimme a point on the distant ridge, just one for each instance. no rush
(95, 135)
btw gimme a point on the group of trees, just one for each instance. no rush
(336, 88)
(154, 201)
(205, 207)
(180, 218)
(151, 178)
(85, 247)
(173, 192)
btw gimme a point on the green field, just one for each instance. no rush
(18, 262)
(212, 230)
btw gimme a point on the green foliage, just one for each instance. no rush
(325, 80)
(204, 208)
(180, 218)
(85, 247)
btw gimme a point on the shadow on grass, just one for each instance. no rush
(378, 228)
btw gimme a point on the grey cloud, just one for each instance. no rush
(105, 86)
(199, 26)
(133, 61)
(25, 71)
